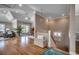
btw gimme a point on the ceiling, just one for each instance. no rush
(48, 10)
(53, 10)
(27, 10)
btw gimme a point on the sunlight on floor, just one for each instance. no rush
(24, 40)
(2, 44)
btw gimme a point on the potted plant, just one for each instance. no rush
(19, 30)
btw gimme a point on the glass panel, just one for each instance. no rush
(25, 28)
(2, 28)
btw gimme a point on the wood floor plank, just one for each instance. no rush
(19, 46)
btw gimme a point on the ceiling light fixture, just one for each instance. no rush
(4, 11)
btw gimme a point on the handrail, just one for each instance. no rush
(53, 42)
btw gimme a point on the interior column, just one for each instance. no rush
(72, 37)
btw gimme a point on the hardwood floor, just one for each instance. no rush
(19, 46)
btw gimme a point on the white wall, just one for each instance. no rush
(77, 24)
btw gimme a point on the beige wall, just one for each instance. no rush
(56, 25)
(40, 24)
(61, 25)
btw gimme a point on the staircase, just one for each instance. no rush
(53, 43)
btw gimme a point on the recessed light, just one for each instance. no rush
(20, 5)
(4, 11)
(63, 14)
(16, 11)
(26, 18)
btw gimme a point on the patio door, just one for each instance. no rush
(25, 28)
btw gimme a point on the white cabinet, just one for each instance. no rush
(41, 40)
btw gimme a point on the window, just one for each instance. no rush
(2, 28)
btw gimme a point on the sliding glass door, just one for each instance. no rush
(25, 28)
